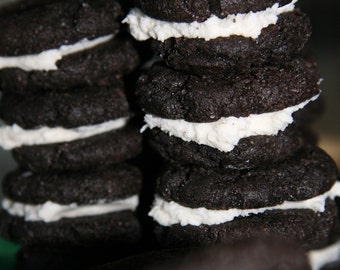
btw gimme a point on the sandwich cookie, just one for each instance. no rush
(102, 61)
(69, 130)
(75, 44)
(292, 199)
(219, 45)
(201, 10)
(50, 26)
(84, 208)
(233, 120)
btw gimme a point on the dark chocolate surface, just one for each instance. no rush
(249, 152)
(171, 94)
(310, 229)
(114, 229)
(308, 173)
(103, 65)
(73, 108)
(100, 150)
(200, 10)
(34, 30)
(82, 187)
(276, 44)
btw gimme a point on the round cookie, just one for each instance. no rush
(101, 150)
(311, 230)
(189, 11)
(121, 181)
(58, 23)
(70, 193)
(73, 108)
(295, 179)
(249, 152)
(276, 44)
(116, 229)
(172, 94)
(203, 206)
(102, 65)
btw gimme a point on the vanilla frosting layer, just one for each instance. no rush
(47, 60)
(321, 257)
(225, 133)
(14, 136)
(50, 211)
(143, 27)
(170, 213)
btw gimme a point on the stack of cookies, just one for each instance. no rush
(69, 126)
(220, 107)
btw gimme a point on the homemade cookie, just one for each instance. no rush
(216, 45)
(84, 208)
(233, 120)
(73, 108)
(42, 27)
(70, 129)
(104, 149)
(171, 94)
(277, 43)
(102, 65)
(201, 10)
(249, 152)
(236, 204)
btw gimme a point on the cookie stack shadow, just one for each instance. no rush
(67, 120)
(228, 106)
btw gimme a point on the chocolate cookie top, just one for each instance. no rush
(276, 44)
(189, 11)
(309, 173)
(59, 23)
(108, 148)
(102, 65)
(73, 108)
(171, 94)
(83, 187)
(248, 153)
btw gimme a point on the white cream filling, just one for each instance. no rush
(170, 213)
(321, 257)
(143, 27)
(47, 60)
(225, 133)
(14, 136)
(50, 211)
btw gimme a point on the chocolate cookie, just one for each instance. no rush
(189, 11)
(175, 95)
(121, 181)
(249, 152)
(200, 206)
(116, 229)
(101, 150)
(276, 44)
(310, 229)
(73, 108)
(59, 23)
(298, 178)
(102, 65)
(72, 209)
